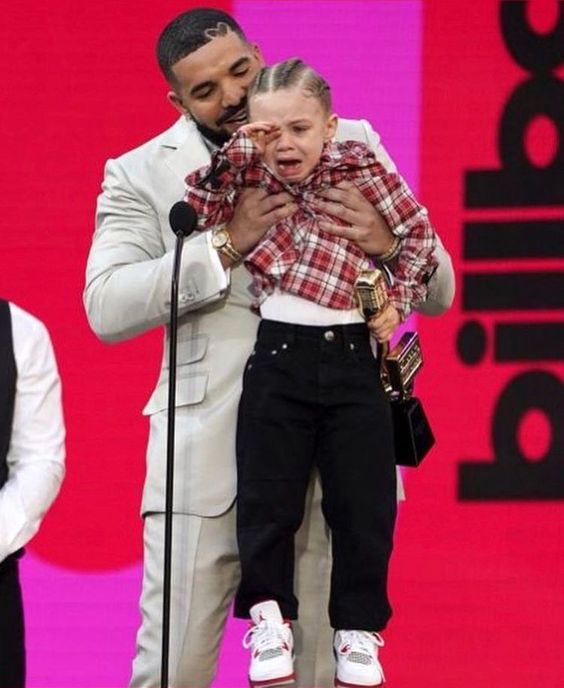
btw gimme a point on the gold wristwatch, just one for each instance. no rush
(221, 241)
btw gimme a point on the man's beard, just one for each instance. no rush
(218, 136)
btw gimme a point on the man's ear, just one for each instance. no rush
(257, 54)
(331, 127)
(176, 102)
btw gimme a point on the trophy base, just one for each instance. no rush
(413, 437)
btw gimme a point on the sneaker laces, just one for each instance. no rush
(359, 646)
(267, 638)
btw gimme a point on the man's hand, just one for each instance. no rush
(256, 211)
(384, 325)
(365, 226)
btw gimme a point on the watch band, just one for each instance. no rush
(226, 247)
(230, 251)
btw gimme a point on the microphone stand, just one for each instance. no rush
(172, 337)
(182, 220)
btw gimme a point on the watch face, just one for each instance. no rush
(219, 238)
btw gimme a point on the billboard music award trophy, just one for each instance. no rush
(413, 436)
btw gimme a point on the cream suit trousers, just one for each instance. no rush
(205, 575)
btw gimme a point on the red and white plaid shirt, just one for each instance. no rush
(295, 255)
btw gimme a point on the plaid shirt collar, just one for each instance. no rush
(332, 157)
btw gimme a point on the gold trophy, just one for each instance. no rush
(403, 362)
(371, 293)
(413, 436)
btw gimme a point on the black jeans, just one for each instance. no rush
(12, 652)
(312, 397)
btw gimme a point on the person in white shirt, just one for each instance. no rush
(32, 463)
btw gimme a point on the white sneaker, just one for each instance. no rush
(357, 659)
(271, 643)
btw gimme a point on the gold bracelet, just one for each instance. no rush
(392, 252)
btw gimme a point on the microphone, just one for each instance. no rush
(182, 218)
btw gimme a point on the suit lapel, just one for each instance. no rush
(189, 151)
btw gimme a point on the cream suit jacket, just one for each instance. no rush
(128, 292)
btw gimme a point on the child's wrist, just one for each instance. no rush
(391, 253)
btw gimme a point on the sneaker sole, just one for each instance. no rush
(267, 683)
(343, 684)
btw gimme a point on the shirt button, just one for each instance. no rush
(329, 335)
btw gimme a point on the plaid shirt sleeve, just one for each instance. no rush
(212, 190)
(409, 221)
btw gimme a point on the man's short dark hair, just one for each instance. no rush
(190, 31)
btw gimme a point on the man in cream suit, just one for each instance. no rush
(209, 65)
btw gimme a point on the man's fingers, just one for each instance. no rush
(251, 194)
(261, 201)
(345, 184)
(342, 212)
(257, 209)
(343, 231)
(280, 213)
(345, 193)
(333, 194)
(274, 201)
